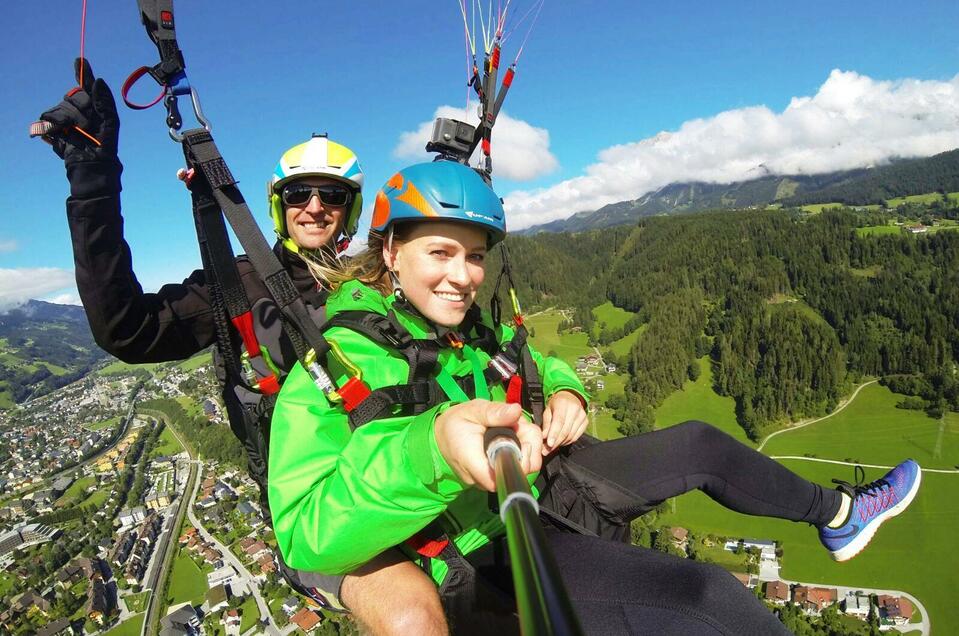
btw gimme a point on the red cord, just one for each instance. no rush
(83, 30)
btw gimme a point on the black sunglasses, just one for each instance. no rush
(299, 194)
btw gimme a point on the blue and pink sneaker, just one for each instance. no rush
(872, 504)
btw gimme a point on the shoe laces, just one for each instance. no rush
(872, 497)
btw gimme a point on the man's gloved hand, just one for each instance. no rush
(91, 166)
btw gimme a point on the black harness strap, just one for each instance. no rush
(202, 154)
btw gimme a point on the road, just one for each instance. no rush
(843, 404)
(229, 557)
(924, 627)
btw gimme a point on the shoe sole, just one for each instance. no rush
(857, 545)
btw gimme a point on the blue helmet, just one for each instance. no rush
(443, 190)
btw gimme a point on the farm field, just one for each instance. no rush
(698, 401)
(197, 361)
(613, 316)
(910, 553)
(187, 582)
(130, 627)
(872, 430)
(167, 444)
(117, 367)
(105, 424)
(568, 346)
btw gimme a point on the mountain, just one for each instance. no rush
(861, 186)
(43, 346)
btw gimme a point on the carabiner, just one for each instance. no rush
(176, 122)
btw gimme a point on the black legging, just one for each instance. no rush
(617, 588)
(694, 455)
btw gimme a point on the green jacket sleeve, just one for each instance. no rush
(340, 498)
(556, 375)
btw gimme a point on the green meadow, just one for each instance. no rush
(912, 552)
(610, 316)
(197, 361)
(872, 430)
(167, 444)
(697, 401)
(568, 346)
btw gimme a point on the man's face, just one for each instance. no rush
(313, 224)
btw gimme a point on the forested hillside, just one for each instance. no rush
(859, 187)
(939, 173)
(43, 346)
(792, 307)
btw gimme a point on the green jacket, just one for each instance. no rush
(339, 498)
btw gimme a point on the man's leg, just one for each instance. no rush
(671, 461)
(391, 595)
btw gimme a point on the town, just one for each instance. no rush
(110, 524)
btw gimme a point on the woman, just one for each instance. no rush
(411, 480)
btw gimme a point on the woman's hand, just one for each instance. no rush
(564, 420)
(459, 434)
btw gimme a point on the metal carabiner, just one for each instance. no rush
(174, 121)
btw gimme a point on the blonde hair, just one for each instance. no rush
(367, 267)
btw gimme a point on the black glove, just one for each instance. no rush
(91, 108)
(91, 166)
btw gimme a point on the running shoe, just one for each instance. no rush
(872, 504)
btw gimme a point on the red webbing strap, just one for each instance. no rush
(353, 392)
(427, 546)
(269, 385)
(514, 390)
(244, 324)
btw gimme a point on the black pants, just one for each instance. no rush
(617, 588)
(653, 467)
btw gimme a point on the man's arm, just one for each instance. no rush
(172, 324)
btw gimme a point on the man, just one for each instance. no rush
(315, 202)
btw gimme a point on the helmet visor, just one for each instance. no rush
(299, 194)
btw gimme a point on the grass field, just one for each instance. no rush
(912, 553)
(105, 424)
(130, 627)
(118, 368)
(878, 230)
(76, 491)
(611, 315)
(872, 430)
(187, 582)
(197, 361)
(97, 497)
(817, 208)
(249, 614)
(921, 199)
(698, 401)
(622, 346)
(167, 444)
(604, 424)
(568, 346)
(190, 406)
(137, 602)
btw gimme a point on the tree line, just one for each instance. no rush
(791, 307)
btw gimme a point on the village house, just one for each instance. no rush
(896, 609)
(856, 605)
(777, 592)
(679, 537)
(306, 620)
(814, 599)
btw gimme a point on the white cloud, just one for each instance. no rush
(67, 298)
(853, 121)
(19, 285)
(520, 151)
(8, 246)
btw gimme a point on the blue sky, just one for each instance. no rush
(734, 85)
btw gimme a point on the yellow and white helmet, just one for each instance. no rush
(318, 157)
